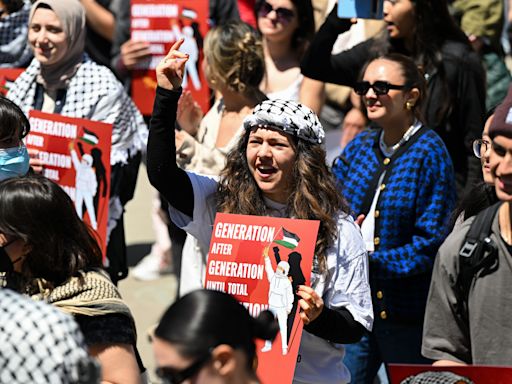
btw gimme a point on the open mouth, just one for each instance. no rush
(266, 170)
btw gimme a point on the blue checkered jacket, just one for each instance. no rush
(416, 198)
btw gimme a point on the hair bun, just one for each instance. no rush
(265, 326)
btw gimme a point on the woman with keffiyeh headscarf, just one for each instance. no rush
(63, 79)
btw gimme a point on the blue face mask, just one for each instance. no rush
(13, 162)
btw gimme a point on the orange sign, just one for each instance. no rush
(161, 23)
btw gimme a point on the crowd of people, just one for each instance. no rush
(413, 256)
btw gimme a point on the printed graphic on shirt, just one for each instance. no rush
(261, 261)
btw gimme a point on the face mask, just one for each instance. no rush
(14, 162)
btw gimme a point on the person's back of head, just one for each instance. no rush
(234, 56)
(202, 320)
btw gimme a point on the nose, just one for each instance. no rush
(42, 36)
(264, 150)
(387, 7)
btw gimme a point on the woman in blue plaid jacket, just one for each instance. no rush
(399, 181)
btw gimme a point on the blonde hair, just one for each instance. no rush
(234, 53)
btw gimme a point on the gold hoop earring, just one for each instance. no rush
(409, 105)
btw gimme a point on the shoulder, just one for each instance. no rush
(432, 146)
(364, 139)
(97, 75)
(456, 53)
(448, 254)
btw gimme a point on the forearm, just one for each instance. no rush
(338, 326)
(163, 172)
(100, 19)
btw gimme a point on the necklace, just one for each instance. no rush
(389, 150)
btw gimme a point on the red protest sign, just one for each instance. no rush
(76, 155)
(471, 373)
(7, 78)
(162, 23)
(260, 261)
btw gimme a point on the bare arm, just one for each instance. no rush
(312, 94)
(100, 19)
(118, 363)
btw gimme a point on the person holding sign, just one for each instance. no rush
(209, 337)
(399, 178)
(63, 80)
(277, 168)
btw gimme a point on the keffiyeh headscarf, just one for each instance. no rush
(71, 14)
(440, 377)
(288, 116)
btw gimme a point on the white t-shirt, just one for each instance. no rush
(344, 284)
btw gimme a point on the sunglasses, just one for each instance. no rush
(379, 87)
(283, 15)
(170, 375)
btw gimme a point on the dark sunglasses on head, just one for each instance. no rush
(170, 375)
(379, 87)
(283, 15)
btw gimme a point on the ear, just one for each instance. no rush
(224, 361)
(413, 95)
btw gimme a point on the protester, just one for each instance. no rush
(207, 335)
(14, 50)
(51, 255)
(469, 324)
(41, 345)
(14, 126)
(399, 179)
(277, 168)
(61, 79)
(286, 28)
(423, 30)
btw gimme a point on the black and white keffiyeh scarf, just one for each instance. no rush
(14, 49)
(288, 116)
(93, 93)
(41, 344)
(439, 377)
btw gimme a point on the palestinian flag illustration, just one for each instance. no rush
(89, 137)
(287, 239)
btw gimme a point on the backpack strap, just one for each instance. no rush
(477, 249)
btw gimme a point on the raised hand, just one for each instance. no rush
(190, 113)
(170, 71)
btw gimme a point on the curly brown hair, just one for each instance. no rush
(314, 192)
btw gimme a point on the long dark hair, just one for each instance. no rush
(433, 27)
(314, 192)
(12, 120)
(39, 212)
(204, 319)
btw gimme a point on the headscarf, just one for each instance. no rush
(288, 116)
(71, 14)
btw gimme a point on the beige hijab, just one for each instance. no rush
(72, 16)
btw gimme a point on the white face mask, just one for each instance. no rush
(14, 162)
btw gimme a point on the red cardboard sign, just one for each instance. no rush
(237, 265)
(7, 78)
(477, 374)
(76, 155)
(162, 23)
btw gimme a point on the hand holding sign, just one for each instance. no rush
(170, 71)
(311, 304)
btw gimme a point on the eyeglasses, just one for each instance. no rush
(480, 146)
(283, 15)
(170, 375)
(379, 87)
